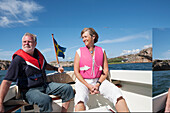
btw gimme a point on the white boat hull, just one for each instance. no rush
(159, 102)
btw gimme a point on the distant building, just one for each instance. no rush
(125, 60)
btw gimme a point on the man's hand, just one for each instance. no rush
(1, 108)
(4, 87)
(60, 69)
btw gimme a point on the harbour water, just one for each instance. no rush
(161, 79)
(131, 66)
(161, 82)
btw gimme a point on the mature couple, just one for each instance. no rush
(90, 66)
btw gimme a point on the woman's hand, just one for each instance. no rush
(96, 89)
(91, 89)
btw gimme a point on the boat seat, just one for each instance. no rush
(19, 101)
(23, 102)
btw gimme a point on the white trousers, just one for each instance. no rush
(107, 89)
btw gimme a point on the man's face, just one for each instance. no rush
(28, 44)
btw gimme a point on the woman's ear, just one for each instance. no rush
(93, 37)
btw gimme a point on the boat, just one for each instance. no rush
(159, 102)
(136, 86)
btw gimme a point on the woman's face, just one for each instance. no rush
(88, 39)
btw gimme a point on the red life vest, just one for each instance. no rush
(31, 60)
(34, 70)
(86, 63)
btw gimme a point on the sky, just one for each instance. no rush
(124, 26)
(161, 46)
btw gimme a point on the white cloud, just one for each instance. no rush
(69, 58)
(127, 38)
(147, 46)
(4, 21)
(126, 52)
(17, 12)
(134, 51)
(74, 47)
(47, 50)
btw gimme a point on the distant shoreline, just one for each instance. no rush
(157, 65)
(127, 62)
(161, 65)
(161, 70)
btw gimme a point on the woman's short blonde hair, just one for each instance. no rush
(92, 32)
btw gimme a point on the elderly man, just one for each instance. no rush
(28, 69)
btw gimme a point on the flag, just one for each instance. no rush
(58, 49)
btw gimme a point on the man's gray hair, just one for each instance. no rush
(32, 35)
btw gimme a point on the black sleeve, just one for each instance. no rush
(13, 70)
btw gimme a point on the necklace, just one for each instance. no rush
(91, 51)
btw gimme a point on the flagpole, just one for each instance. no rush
(55, 49)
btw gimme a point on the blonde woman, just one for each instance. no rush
(91, 70)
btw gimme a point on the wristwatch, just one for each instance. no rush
(99, 82)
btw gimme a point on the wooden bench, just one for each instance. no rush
(19, 101)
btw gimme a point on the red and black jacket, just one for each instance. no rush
(33, 69)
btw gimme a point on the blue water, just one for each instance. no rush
(131, 66)
(161, 82)
(2, 74)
